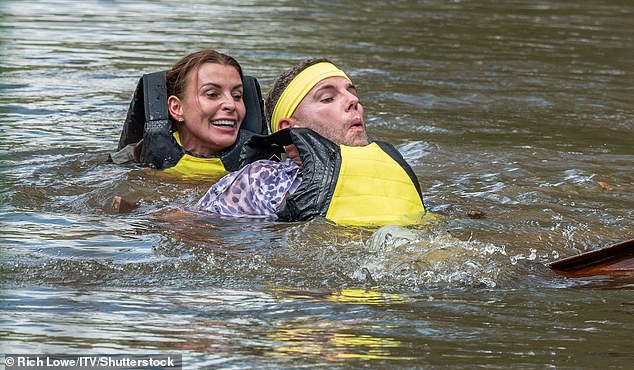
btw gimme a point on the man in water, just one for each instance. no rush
(331, 169)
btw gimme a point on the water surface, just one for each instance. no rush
(521, 111)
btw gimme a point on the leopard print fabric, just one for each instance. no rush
(256, 190)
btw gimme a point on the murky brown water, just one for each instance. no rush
(522, 110)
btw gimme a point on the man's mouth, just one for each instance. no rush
(223, 123)
(357, 124)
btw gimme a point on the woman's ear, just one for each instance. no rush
(175, 107)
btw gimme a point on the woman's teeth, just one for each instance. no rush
(225, 123)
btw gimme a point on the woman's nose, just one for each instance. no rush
(228, 103)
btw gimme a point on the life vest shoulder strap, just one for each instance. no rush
(159, 150)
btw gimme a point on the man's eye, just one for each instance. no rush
(327, 100)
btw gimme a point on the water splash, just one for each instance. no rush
(406, 258)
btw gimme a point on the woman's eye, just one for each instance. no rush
(212, 94)
(237, 96)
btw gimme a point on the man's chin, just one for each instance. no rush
(350, 138)
(358, 139)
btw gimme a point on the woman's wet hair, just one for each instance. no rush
(176, 77)
(282, 82)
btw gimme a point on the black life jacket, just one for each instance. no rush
(148, 135)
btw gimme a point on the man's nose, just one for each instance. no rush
(353, 101)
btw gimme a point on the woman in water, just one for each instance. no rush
(188, 120)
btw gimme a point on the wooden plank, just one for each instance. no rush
(616, 259)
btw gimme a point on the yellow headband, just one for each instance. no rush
(299, 87)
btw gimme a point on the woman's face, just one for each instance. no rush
(211, 110)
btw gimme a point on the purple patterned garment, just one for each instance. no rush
(256, 190)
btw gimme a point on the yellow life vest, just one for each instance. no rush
(373, 189)
(192, 166)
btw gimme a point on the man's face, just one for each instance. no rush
(332, 109)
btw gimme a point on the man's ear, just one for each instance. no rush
(284, 123)
(175, 107)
